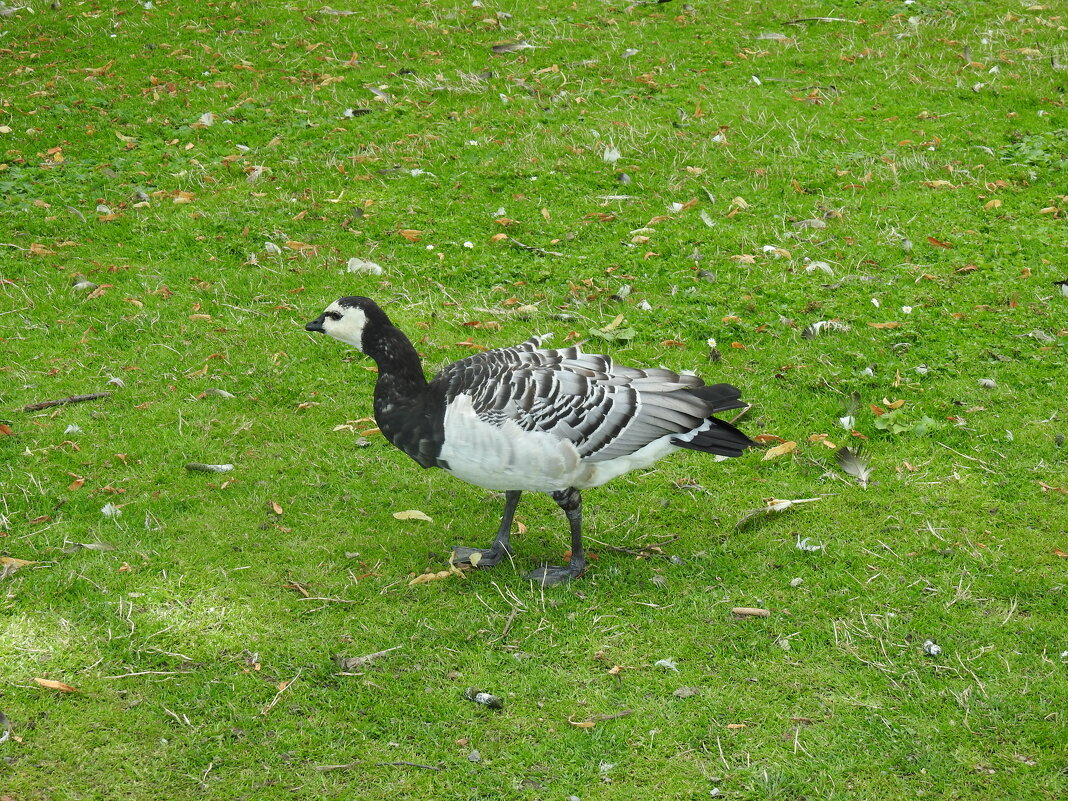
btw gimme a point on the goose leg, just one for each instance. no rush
(488, 557)
(571, 502)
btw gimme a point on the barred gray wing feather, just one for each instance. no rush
(605, 410)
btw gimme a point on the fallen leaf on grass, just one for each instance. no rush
(413, 514)
(276, 507)
(780, 450)
(56, 685)
(885, 325)
(772, 507)
(6, 430)
(1049, 488)
(13, 563)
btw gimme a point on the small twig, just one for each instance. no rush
(348, 663)
(740, 414)
(408, 765)
(820, 19)
(281, 690)
(352, 765)
(614, 716)
(646, 550)
(346, 766)
(966, 456)
(34, 407)
(183, 720)
(147, 673)
(508, 622)
(532, 249)
(332, 600)
(719, 745)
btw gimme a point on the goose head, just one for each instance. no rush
(348, 320)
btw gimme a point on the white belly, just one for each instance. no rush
(509, 458)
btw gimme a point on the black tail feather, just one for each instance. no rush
(722, 439)
(722, 397)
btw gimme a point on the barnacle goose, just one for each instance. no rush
(531, 418)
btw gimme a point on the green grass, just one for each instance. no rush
(883, 130)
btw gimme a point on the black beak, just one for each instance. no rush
(316, 324)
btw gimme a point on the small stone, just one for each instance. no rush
(796, 582)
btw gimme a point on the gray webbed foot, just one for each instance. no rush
(479, 557)
(549, 574)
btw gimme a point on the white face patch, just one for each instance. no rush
(345, 323)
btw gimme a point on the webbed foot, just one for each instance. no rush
(549, 574)
(479, 557)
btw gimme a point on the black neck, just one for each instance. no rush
(396, 358)
(409, 413)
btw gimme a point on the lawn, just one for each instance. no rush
(853, 211)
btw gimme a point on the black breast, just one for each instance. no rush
(415, 423)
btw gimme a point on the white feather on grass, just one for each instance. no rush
(851, 461)
(773, 506)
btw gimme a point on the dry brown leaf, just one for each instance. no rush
(410, 234)
(885, 325)
(6, 430)
(77, 484)
(276, 508)
(764, 439)
(780, 450)
(441, 574)
(413, 514)
(582, 724)
(15, 564)
(56, 685)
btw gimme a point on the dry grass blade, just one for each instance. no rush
(772, 507)
(851, 461)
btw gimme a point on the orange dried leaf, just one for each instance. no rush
(780, 450)
(884, 325)
(56, 685)
(11, 561)
(276, 507)
(764, 439)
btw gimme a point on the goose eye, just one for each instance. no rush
(333, 315)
